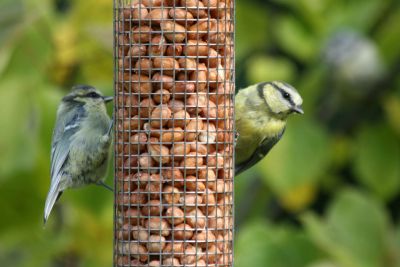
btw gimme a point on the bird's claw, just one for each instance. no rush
(105, 186)
(110, 127)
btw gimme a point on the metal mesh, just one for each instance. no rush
(174, 86)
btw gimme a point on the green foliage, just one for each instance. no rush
(355, 231)
(312, 148)
(260, 243)
(380, 174)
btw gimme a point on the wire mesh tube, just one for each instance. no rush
(174, 144)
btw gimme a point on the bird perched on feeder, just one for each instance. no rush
(261, 113)
(80, 143)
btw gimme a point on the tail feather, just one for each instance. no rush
(52, 197)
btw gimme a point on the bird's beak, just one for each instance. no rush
(298, 109)
(108, 99)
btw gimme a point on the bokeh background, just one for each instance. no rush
(328, 195)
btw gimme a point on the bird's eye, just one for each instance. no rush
(286, 96)
(93, 95)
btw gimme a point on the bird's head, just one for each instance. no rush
(280, 98)
(86, 95)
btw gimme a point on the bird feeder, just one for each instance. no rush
(174, 134)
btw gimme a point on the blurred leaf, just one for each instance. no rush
(18, 118)
(324, 264)
(291, 36)
(298, 197)
(11, 12)
(310, 86)
(392, 110)
(94, 33)
(355, 231)
(288, 166)
(397, 236)
(251, 32)
(31, 61)
(377, 157)
(265, 68)
(251, 197)
(387, 37)
(358, 13)
(260, 243)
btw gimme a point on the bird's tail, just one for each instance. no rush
(53, 195)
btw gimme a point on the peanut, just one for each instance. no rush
(141, 34)
(152, 208)
(183, 232)
(181, 16)
(171, 195)
(139, 12)
(162, 96)
(141, 84)
(180, 150)
(196, 48)
(174, 215)
(196, 7)
(171, 262)
(174, 32)
(173, 135)
(158, 152)
(179, 119)
(146, 107)
(157, 226)
(139, 233)
(168, 65)
(144, 66)
(156, 243)
(157, 46)
(157, 15)
(160, 116)
(163, 81)
(174, 50)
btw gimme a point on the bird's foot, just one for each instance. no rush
(110, 127)
(105, 186)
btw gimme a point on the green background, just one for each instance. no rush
(328, 195)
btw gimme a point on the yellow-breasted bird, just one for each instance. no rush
(80, 143)
(261, 113)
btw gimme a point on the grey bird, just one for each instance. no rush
(80, 144)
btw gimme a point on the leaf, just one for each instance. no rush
(324, 264)
(299, 159)
(251, 33)
(10, 18)
(354, 232)
(262, 244)
(387, 37)
(18, 133)
(265, 68)
(377, 157)
(292, 36)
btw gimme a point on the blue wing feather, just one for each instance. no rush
(261, 151)
(66, 126)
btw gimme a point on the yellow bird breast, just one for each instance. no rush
(253, 128)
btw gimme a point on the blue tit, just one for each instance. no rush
(355, 76)
(80, 144)
(354, 61)
(261, 113)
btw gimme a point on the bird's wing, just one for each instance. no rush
(60, 149)
(62, 140)
(261, 151)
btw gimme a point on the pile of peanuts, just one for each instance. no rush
(174, 142)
